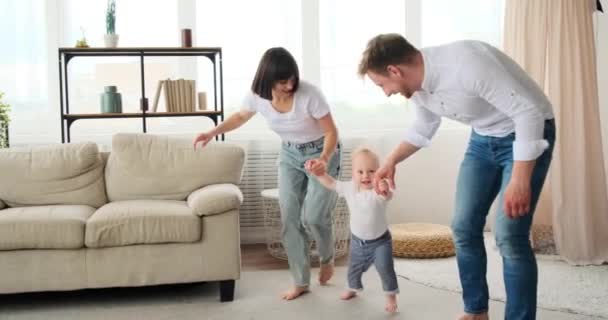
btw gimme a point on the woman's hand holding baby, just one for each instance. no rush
(318, 166)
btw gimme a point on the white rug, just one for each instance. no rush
(580, 290)
(257, 298)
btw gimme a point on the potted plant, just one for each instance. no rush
(111, 38)
(5, 108)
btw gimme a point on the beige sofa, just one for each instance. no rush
(153, 211)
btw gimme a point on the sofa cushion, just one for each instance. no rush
(214, 199)
(49, 175)
(44, 227)
(144, 166)
(142, 222)
(2, 205)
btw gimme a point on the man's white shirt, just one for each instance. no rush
(477, 84)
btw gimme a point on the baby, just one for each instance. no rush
(371, 241)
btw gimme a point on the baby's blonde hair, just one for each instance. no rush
(365, 151)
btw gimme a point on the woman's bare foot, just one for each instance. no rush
(326, 271)
(470, 316)
(294, 293)
(391, 303)
(348, 294)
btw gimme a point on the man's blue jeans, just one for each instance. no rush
(484, 173)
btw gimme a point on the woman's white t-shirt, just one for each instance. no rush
(300, 124)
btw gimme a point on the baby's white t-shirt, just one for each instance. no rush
(300, 124)
(367, 210)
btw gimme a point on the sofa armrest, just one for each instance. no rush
(2, 205)
(214, 199)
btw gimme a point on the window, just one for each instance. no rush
(244, 29)
(445, 21)
(24, 65)
(346, 26)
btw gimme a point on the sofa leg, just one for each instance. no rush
(226, 290)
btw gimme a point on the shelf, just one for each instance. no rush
(76, 116)
(183, 114)
(138, 51)
(214, 54)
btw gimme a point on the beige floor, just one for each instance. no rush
(256, 298)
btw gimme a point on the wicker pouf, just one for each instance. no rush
(272, 221)
(422, 240)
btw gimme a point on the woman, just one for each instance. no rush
(299, 114)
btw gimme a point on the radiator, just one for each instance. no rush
(260, 173)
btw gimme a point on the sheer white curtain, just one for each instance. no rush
(26, 69)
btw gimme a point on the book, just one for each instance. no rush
(181, 84)
(167, 95)
(159, 88)
(192, 95)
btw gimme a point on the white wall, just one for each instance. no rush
(426, 183)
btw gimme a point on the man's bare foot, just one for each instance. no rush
(294, 293)
(470, 316)
(391, 303)
(326, 271)
(348, 294)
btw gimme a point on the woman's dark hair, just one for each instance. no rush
(277, 64)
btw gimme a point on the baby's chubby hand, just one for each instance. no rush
(316, 166)
(384, 188)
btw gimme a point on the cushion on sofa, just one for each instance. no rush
(2, 205)
(142, 222)
(44, 227)
(58, 174)
(214, 199)
(144, 166)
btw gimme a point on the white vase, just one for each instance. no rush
(111, 40)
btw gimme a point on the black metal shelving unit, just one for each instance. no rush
(67, 54)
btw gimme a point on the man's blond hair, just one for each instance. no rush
(384, 50)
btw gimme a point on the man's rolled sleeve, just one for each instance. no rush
(504, 91)
(423, 129)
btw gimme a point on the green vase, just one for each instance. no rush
(111, 101)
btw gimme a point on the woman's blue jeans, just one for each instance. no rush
(485, 173)
(305, 202)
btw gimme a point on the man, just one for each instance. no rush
(508, 154)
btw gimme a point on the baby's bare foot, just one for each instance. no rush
(348, 294)
(469, 316)
(294, 293)
(326, 271)
(391, 303)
